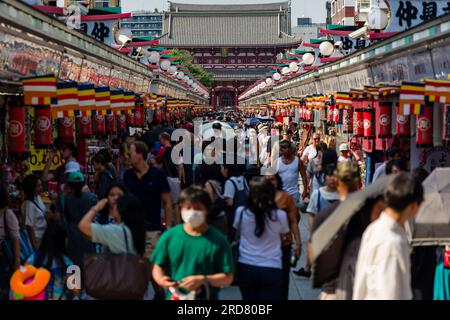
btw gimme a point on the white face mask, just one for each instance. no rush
(194, 217)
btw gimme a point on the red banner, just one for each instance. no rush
(43, 127)
(99, 124)
(424, 130)
(85, 127)
(17, 142)
(66, 128)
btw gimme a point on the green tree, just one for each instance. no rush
(197, 70)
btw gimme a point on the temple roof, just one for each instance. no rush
(189, 25)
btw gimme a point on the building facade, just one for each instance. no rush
(238, 44)
(343, 12)
(94, 4)
(306, 29)
(144, 24)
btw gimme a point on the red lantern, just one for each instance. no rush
(17, 135)
(85, 127)
(359, 128)
(424, 130)
(309, 115)
(283, 112)
(111, 124)
(43, 128)
(122, 123)
(336, 114)
(66, 128)
(138, 117)
(403, 125)
(130, 119)
(99, 124)
(368, 124)
(347, 121)
(383, 119)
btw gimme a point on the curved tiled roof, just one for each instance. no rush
(189, 7)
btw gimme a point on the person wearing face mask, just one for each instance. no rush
(193, 255)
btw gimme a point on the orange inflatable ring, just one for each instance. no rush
(36, 286)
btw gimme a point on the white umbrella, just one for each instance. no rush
(208, 132)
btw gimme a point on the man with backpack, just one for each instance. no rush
(235, 193)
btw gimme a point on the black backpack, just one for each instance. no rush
(218, 205)
(240, 196)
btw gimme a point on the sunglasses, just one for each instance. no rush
(316, 139)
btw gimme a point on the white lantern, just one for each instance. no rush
(276, 76)
(165, 65)
(186, 79)
(285, 71)
(173, 69)
(326, 48)
(377, 19)
(269, 81)
(190, 82)
(154, 57)
(180, 75)
(308, 58)
(262, 85)
(293, 67)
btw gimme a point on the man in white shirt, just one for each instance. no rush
(383, 268)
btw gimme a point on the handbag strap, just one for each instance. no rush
(126, 239)
(37, 206)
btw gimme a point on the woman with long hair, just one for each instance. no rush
(125, 236)
(34, 209)
(285, 202)
(261, 225)
(115, 191)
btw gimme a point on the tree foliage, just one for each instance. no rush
(197, 70)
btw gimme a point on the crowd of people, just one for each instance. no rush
(202, 226)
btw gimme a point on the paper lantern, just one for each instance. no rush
(377, 19)
(359, 127)
(326, 48)
(43, 128)
(402, 125)
(154, 57)
(285, 71)
(66, 125)
(180, 75)
(122, 123)
(277, 76)
(173, 69)
(368, 124)
(111, 124)
(85, 127)
(308, 58)
(130, 119)
(165, 65)
(383, 120)
(424, 130)
(17, 133)
(99, 124)
(336, 114)
(293, 67)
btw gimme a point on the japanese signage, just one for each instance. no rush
(20, 58)
(350, 45)
(99, 30)
(39, 158)
(408, 14)
(94, 73)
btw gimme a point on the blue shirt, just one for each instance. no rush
(148, 190)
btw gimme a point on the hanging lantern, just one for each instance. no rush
(158, 115)
(336, 114)
(85, 127)
(122, 123)
(368, 123)
(111, 124)
(424, 130)
(402, 124)
(347, 120)
(167, 115)
(43, 127)
(66, 128)
(330, 110)
(130, 119)
(99, 124)
(17, 132)
(383, 119)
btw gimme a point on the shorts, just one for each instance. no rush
(151, 239)
(296, 197)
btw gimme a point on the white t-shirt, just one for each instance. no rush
(264, 251)
(35, 216)
(344, 159)
(383, 268)
(310, 151)
(326, 198)
(230, 189)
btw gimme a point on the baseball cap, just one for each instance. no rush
(343, 147)
(75, 177)
(72, 166)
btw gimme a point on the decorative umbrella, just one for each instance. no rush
(431, 226)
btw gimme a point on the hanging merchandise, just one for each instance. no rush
(43, 127)
(122, 122)
(111, 124)
(403, 124)
(66, 128)
(18, 131)
(158, 115)
(84, 125)
(99, 124)
(383, 114)
(347, 120)
(424, 129)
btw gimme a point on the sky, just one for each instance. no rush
(314, 9)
